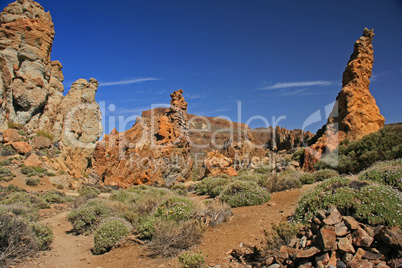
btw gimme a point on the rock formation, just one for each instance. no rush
(156, 150)
(355, 113)
(31, 89)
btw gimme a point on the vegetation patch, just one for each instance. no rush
(110, 232)
(280, 235)
(353, 157)
(244, 193)
(369, 203)
(192, 260)
(387, 173)
(45, 134)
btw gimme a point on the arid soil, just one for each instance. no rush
(246, 226)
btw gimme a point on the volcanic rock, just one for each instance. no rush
(21, 147)
(31, 87)
(10, 135)
(156, 150)
(355, 113)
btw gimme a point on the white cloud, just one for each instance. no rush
(296, 92)
(195, 97)
(127, 82)
(297, 84)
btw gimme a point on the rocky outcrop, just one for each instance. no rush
(156, 150)
(355, 113)
(31, 89)
(333, 240)
(216, 163)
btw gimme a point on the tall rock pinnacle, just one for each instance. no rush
(355, 113)
(31, 89)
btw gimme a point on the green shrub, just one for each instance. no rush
(373, 204)
(89, 192)
(32, 182)
(191, 260)
(243, 193)
(109, 233)
(388, 173)
(87, 217)
(6, 162)
(28, 213)
(176, 208)
(179, 189)
(264, 169)
(45, 134)
(7, 151)
(124, 196)
(26, 199)
(298, 155)
(324, 174)
(280, 235)
(29, 171)
(44, 235)
(217, 212)
(307, 178)
(146, 227)
(55, 197)
(386, 144)
(212, 186)
(5, 173)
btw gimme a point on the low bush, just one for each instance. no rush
(44, 235)
(244, 193)
(170, 238)
(26, 199)
(217, 212)
(212, 186)
(32, 182)
(5, 174)
(280, 235)
(88, 216)
(17, 239)
(368, 203)
(192, 260)
(387, 173)
(277, 183)
(30, 214)
(176, 209)
(89, 192)
(109, 233)
(55, 197)
(307, 178)
(179, 189)
(7, 151)
(264, 169)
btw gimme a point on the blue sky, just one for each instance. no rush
(276, 58)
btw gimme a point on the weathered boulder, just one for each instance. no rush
(216, 163)
(21, 147)
(40, 142)
(355, 113)
(32, 161)
(11, 135)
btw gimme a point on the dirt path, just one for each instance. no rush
(68, 250)
(246, 226)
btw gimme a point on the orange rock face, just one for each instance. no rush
(31, 89)
(355, 113)
(155, 150)
(217, 163)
